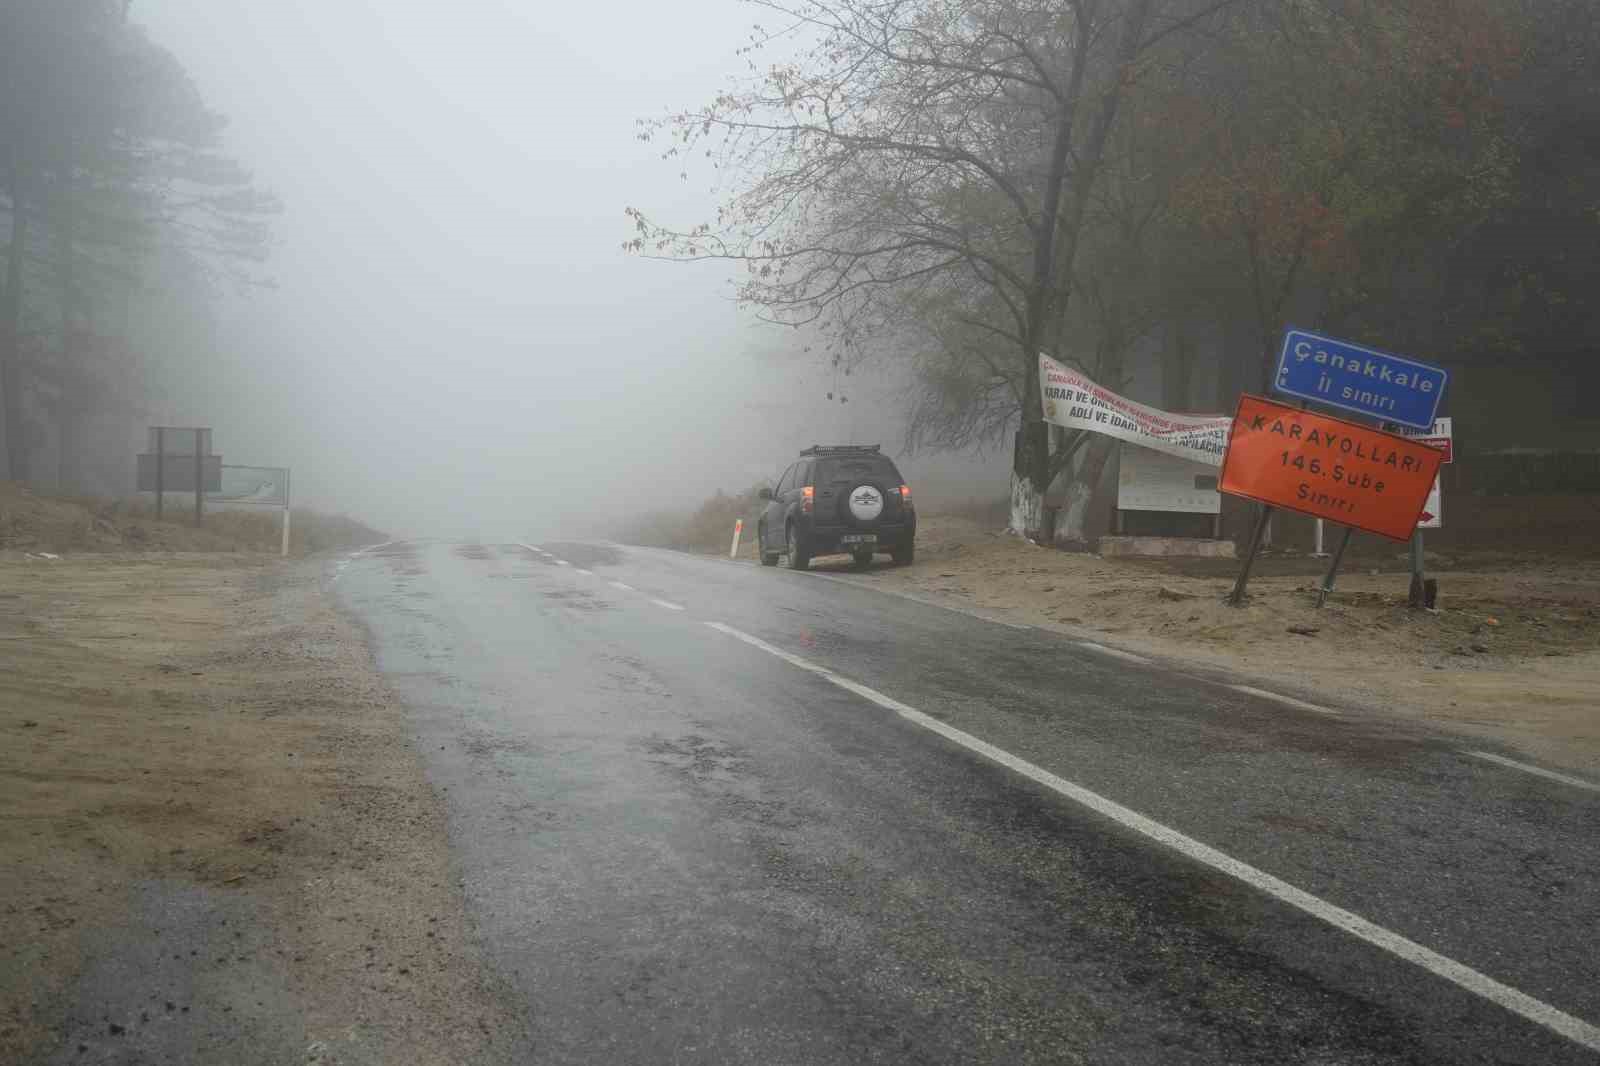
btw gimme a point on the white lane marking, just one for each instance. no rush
(1114, 652)
(585, 573)
(1288, 701)
(562, 562)
(620, 585)
(668, 606)
(1576, 782)
(1573, 1028)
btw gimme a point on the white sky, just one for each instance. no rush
(458, 345)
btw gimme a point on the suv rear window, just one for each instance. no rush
(873, 467)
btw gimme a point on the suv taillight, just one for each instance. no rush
(808, 496)
(905, 495)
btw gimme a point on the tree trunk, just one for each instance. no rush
(11, 405)
(1030, 466)
(1072, 525)
(1030, 476)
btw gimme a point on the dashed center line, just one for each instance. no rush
(1576, 782)
(1537, 1011)
(618, 585)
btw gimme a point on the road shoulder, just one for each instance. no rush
(219, 843)
(1512, 658)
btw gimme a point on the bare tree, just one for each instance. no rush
(922, 147)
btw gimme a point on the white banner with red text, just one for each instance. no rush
(1072, 400)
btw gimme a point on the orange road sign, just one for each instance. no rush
(1327, 467)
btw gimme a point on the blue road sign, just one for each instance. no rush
(1367, 382)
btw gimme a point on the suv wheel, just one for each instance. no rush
(904, 554)
(798, 556)
(767, 558)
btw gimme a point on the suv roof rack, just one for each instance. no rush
(842, 449)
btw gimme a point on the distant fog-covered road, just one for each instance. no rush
(706, 812)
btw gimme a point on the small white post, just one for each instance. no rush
(738, 531)
(1316, 551)
(284, 551)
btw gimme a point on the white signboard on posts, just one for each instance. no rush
(1073, 400)
(1442, 436)
(1154, 481)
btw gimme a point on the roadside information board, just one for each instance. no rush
(1328, 468)
(1440, 435)
(1363, 381)
(177, 473)
(1432, 516)
(1152, 481)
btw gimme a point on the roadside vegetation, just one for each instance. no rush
(125, 221)
(34, 522)
(949, 189)
(709, 528)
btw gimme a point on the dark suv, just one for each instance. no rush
(846, 498)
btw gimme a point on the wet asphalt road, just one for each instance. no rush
(679, 846)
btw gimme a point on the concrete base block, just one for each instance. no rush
(1165, 547)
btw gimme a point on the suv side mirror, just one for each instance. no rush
(764, 494)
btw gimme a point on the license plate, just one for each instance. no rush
(859, 538)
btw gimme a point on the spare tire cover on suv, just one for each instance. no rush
(864, 490)
(866, 503)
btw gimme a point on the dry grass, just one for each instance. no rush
(210, 727)
(708, 529)
(31, 521)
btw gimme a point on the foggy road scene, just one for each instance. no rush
(800, 531)
(770, 820)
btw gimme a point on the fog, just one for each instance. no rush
(457, 344)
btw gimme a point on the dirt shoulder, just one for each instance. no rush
(1512, 656)
(218, 844)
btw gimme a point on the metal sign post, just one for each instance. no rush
(1236, 597)
(180, 443)
(161, 480)
(1441, 435)
(1402, 394)
(285, 550)
(1333, 567)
